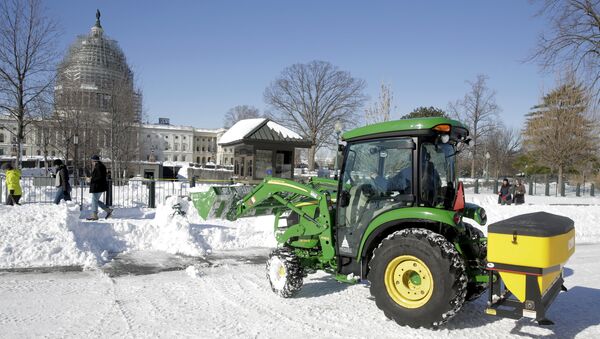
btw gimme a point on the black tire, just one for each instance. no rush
(475, 289)
(284, 272)
(443, 262)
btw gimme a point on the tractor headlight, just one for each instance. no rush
(445, 138)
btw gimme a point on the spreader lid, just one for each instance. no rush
(538, 224)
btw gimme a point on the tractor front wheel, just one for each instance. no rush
(417, 278)
(285, 272)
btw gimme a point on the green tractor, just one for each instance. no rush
(395, 218)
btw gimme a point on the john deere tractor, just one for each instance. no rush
(395, 219)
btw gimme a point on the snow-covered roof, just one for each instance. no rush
(239, 130)
(259, 129)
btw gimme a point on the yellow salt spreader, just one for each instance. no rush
(525, 260)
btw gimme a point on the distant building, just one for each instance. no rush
(261, 148)
(161, 142)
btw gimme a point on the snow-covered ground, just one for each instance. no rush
(36, 235)
(232, 299)
(224, 291)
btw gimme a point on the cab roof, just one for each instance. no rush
(402, 127)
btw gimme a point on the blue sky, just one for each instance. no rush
(196, 59)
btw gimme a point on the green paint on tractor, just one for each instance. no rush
(398, 197)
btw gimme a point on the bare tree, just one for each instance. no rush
(558, 134)
(121, 127)
(72, 121)
(27, 60)
(238, 113)
(503, 145)
(573, 41)
(42, 125)
(381, 110)
(478, 109)
(310, 98)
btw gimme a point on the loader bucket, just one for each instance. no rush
(218, 200)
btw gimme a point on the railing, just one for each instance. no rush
(537, 185)
(122, 192)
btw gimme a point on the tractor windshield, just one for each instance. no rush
(437, 174)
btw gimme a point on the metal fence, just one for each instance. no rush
(122, 193)
(535, 185)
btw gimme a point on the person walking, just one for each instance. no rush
(61, 182)
(13, 184)
(98, 185)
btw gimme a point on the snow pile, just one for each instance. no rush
(40, 235)
(585, 216)
(178, 229)
(169, 231)
(35, 235)
(243, 233)
(195, 271)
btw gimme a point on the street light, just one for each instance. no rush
(487, 162)
(338, 130)
(76, 168)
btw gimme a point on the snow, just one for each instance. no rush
(53, 235)
(40, 235)
(286, 133)
(585, 212)
(233, 299)
(239, 130)
(220, 288)
(242, 128)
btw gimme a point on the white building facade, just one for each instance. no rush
(164, 142)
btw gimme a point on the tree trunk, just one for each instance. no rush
(560, 179)
(311, 157)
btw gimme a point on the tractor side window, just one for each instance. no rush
(376, 173)
(437, 174)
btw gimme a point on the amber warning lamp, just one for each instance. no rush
(444, 128)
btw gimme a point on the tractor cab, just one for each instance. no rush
(389, 167)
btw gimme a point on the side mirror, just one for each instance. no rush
(344, 197)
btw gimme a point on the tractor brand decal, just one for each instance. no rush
(281, 183)
(345, 243)
(251, 201)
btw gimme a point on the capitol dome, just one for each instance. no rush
(92, 68)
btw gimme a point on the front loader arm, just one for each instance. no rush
(285, 193)
(289, 193)
(273, 196)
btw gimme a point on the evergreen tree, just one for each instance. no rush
(425, 112)
(558, 133)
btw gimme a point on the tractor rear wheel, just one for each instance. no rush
(417, 278)
(285, 272)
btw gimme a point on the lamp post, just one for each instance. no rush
(75, 167)
(487, 162)
(338, 130)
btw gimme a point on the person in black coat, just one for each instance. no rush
(98, 185)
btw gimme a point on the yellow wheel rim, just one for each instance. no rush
(408, 281)
(281, 271)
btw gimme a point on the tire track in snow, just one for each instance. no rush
(246, 295)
